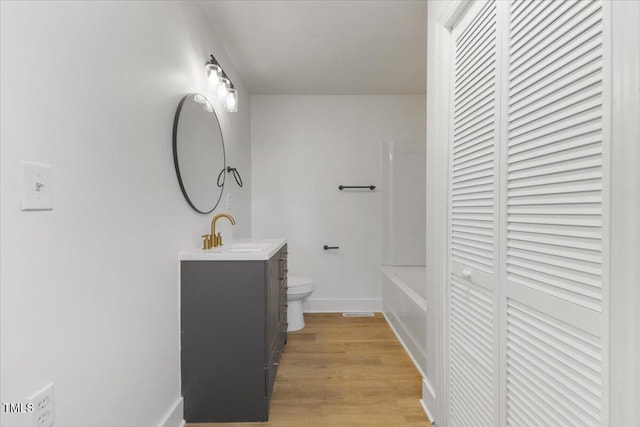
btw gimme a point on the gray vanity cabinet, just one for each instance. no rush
(233, 330)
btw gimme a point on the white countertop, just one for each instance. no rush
(239, 250)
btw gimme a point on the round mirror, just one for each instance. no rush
(198, 153)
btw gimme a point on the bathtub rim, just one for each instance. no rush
(389, 270)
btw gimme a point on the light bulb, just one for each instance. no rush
(223, 89)
(214, 73)
(231, 101)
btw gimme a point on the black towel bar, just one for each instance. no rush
(370, 187)
(325, 247)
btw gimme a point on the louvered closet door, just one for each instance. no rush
(556, 320)
(473, 375)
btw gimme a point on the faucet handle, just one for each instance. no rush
(206, 241)
(218, 240)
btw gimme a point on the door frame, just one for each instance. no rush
(438, 136)
(624, 349)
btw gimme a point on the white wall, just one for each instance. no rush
(89, 290)
(303, 148)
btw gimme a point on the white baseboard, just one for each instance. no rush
(404, 345)
(425, 383)
(428, 400)
(427, 413)
(175, 415)
(340, 305)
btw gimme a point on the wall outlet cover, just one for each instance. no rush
(44, 411)
(37, 186)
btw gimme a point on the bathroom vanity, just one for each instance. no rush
(233, 329)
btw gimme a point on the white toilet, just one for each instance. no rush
(298, 289)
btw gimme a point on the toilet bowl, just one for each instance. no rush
(298, 289)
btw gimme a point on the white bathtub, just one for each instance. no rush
(405, 307)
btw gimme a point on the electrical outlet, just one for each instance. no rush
(44, 411)
(229, 201)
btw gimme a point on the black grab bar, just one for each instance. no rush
(370, 187)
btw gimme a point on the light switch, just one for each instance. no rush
(37, 183)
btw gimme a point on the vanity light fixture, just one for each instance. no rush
(231, 101)
(223, 88)
(221, 85)
(214, 72)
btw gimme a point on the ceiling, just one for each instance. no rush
(326, 47)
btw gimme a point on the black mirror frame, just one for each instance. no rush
(176, 119)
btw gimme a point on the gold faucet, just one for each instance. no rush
(214, 240)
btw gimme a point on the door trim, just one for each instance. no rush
(624, 349)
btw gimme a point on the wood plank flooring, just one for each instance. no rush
(344, 372)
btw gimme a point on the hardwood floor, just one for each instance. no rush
(344, 372)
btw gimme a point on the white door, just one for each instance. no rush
(527, 292)
(555, 223)
(473, 281)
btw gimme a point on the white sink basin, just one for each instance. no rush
(240, 250)
(242, 247)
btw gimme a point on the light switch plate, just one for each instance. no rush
(37, 186)
(229, 201)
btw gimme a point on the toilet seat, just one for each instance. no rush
(299, 285)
